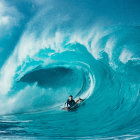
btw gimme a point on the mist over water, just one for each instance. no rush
(50, 50)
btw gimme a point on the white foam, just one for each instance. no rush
(109, 47)
(125, 56)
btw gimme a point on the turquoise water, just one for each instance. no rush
(49, 50)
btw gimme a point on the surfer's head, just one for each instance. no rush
(70, 97)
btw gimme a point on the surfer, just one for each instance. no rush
(71, 103)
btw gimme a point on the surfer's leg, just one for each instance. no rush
(79, 100)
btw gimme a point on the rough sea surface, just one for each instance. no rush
(50, 49)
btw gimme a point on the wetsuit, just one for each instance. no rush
(70, 103)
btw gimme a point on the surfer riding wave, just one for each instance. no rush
(72, 104)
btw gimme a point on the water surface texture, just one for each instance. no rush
(50, 49)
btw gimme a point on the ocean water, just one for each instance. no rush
(51, 49)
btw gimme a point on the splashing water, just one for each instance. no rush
(58, 51)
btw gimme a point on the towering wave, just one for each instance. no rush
(59, 55)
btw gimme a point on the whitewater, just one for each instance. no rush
(50, 50)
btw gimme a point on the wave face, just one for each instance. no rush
(57, 51)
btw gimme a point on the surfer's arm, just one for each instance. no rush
(67, 103)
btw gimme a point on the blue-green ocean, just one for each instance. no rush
(50, 49)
